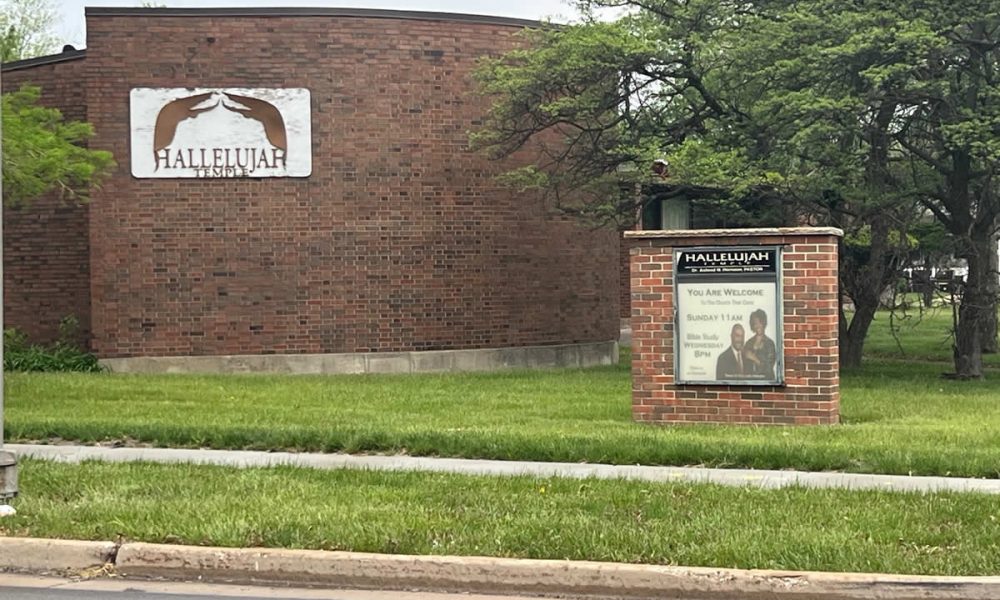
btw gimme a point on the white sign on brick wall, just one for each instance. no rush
(220, 132)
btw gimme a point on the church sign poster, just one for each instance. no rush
(728, 316)
(220, 132)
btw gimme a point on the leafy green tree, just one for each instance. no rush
(706, 84)
(42, 152)
(847, 112)
(926, 85)
(949, 128)
(26, 29)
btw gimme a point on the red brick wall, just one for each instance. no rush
(400, 239)
(45, 243)
(811, 394)
(624, 280)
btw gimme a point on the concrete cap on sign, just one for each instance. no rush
(760, 231)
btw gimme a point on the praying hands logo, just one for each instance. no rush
(177, 111)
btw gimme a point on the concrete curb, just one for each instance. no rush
(520, 576)
(54, 556)
(476, 574)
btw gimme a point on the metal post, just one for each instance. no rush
(8, 462)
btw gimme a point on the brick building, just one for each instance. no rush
(397, 251)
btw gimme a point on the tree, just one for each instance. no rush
(820, 103)
(710, 85)
(43, 153)
(926, 75)
(949, 128)
(26, 29)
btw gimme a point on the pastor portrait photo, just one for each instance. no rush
(748, 358)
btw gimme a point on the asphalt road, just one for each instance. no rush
(22, 587)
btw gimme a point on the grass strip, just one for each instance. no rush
(897, 418)
(419, 513)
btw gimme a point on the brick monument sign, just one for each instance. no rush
(735, 326)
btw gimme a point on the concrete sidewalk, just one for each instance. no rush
(731, 477)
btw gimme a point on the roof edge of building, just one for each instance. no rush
(306, 11)
(48, 59)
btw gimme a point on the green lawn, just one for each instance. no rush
(920, 335)
(897, 417)
(418, 513)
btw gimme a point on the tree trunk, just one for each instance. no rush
(975, 308)
(852, 337)
(992, 284)
(863, 278)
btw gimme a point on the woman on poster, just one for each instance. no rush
(759, 351)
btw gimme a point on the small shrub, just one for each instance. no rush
(69, 331)
(14, 340)
(64, 355)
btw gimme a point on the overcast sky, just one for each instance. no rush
(72, 27)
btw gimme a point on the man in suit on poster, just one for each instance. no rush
(730, 363)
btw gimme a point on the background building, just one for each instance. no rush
(398, 248)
